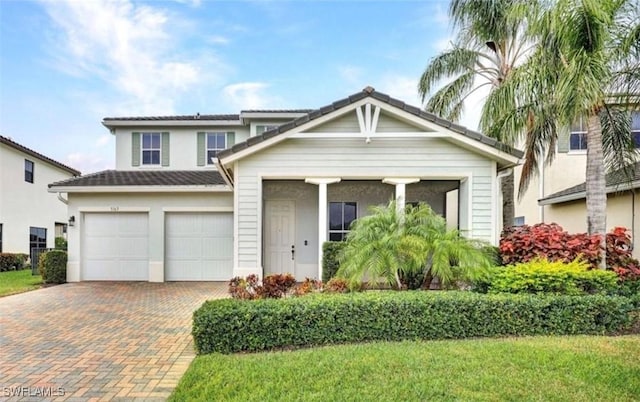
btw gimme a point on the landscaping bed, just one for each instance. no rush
(231, 325)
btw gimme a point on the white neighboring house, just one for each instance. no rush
(30, 216)
(209, 197)
(559, 194)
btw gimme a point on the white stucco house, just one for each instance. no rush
(209, 197)
(30, 216)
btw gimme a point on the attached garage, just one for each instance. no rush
(199, 246)
(115, 247)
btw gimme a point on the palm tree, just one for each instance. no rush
(388, 243)
(489, 45)
(586, 66)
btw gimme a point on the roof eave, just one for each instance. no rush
(216, 188)
(111, 124)
(583, 194)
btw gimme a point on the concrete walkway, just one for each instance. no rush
(99, 340)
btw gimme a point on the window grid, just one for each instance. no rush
(216, 142)
(635, 127)
(28, 171)
(151, 148)
(37, 238)
(341, 216)
(578, 136)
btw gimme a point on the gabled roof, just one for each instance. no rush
(370, 92)
(145, 178)
(618, 180)
(9, 142)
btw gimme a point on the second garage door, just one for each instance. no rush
(199, 246)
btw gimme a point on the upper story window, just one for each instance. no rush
(28, 171)
(151, 148)
(216, 142)
(341, 216)
(578, 136)
(265, 127)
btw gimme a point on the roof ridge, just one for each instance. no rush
(10, 142)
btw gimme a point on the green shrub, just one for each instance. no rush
(53, 266)
(61, 243)
(543, 276)
(12, 261)
(330, 259)
(229, 325)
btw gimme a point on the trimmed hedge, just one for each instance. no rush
(12, 261)
(330, 263)
(53, 266)
(229, 326)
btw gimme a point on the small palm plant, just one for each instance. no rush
(390, 243)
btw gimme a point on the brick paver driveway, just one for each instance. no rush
(99, 341)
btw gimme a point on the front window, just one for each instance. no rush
(216, 142)
(37, 238)
(578, 136)
(151, 145)
(28, 171)
(341, 216)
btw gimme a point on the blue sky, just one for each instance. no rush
(66, 64)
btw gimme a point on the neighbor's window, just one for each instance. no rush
(264, 127)
(518, 221)
(151, 145)
(28, 170)
(216, 142)
(37, 238)
(635, 127)
(341, 216)
(578, 136)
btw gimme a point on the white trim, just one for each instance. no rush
(169, 123)
(114, 209)
(323, 233)
(400, 180)
(361, 123)
(387, 135)
(270, 115)
(285, 174)
(259, 224)
(374, 121)
(140, 189)
(197, 209)
(236, 222)
(494, 203)
(322, 180)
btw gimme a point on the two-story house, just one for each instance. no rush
(558, 194)
(209, 197)
(30, 216)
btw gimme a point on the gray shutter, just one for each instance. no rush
(563, 139)
(135, 149)
(202, 152)
(165, 149)
(231, 139)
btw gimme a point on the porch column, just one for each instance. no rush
(401, 189)
(322, 213)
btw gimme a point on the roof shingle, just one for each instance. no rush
(145, 178)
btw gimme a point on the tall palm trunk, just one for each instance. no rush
(508, 205)
(596, 185)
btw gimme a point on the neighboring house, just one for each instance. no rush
(30, 216)
(559, 196)
(209, 197)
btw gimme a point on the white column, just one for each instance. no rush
(401, 189)
(322, 213)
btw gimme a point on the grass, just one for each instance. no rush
(12, 282)
(577, 368)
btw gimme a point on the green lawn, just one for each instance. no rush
(18, 281)
(576, 368)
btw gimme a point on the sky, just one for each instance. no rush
(67, 64)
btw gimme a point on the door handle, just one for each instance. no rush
(293, 252)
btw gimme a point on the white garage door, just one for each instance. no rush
(115, 247)
(199, 246)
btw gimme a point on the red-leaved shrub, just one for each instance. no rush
(273, 286)
(547, 240)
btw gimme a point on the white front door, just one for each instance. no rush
(279, 239)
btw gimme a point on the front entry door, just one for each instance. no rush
(280, 216)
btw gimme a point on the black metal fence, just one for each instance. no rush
(35, 258)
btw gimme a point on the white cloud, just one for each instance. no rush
(103, 140)
(251, 95)
(134, 48)
(440, 16)
(401, 87)
(218, 40)
(88, 162)
(443, 44)
(351, 74)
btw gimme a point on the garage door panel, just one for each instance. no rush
(199, 246)
(115, 246)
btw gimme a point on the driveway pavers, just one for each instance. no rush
(99, 340)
